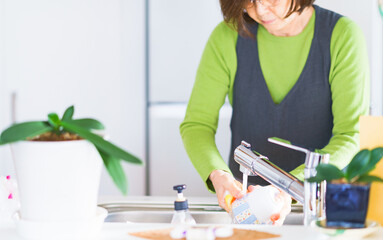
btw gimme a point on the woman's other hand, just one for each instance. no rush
(286, 209)
(224, 183)
(278, 218)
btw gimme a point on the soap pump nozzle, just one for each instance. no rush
(181, 207)
(179, 189)
(180, 203)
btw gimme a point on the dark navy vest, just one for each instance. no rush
(304, 116)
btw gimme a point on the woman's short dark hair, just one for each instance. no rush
(234, 14)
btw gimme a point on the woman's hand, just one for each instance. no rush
(286, 209)
(280, 217)
(222, 182)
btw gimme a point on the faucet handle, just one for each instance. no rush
(312, 158)
(242, 168)
(288, 144)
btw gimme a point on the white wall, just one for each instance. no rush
(178, 31)
(366, 15)
(87, 53)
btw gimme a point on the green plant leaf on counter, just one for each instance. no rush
(369, 179)
(68, 114)
(376, 155)
(87, 123)
(355, 172)
(54, 120)
(326, 172)
(114, 168)
(102, 144)
(23, 131)
(357, 164)
(109, 152)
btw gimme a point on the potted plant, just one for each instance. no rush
(58, 166)
(347, 193)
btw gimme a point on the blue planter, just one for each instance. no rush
(346, 205)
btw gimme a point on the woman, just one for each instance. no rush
(291, 70)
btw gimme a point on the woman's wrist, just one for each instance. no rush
(215, 173)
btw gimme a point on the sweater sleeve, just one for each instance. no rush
(213, 80)
(349, 80)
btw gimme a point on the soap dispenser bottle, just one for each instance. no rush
(181, 214)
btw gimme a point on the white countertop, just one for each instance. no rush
(119, 231)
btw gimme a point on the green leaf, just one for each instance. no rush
(22, 131)
(355, 167)
(87, 123)
(326, 172)
(114, 168)
(369, 179)
(54, 120)
(329, 171)
(376, 156)
(315, 179)
(101, 144)
(68, 114)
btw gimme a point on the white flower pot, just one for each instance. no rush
(58, 181)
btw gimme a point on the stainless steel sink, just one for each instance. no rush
(166, 217)
(163, 213)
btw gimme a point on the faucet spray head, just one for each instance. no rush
(241, 158)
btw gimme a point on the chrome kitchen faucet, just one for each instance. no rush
(311, 195)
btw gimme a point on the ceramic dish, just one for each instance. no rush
(350, 233)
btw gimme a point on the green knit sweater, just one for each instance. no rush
(348, 78)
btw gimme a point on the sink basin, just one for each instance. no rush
(166, 217)
(163, 213)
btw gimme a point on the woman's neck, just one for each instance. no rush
(296, 23)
